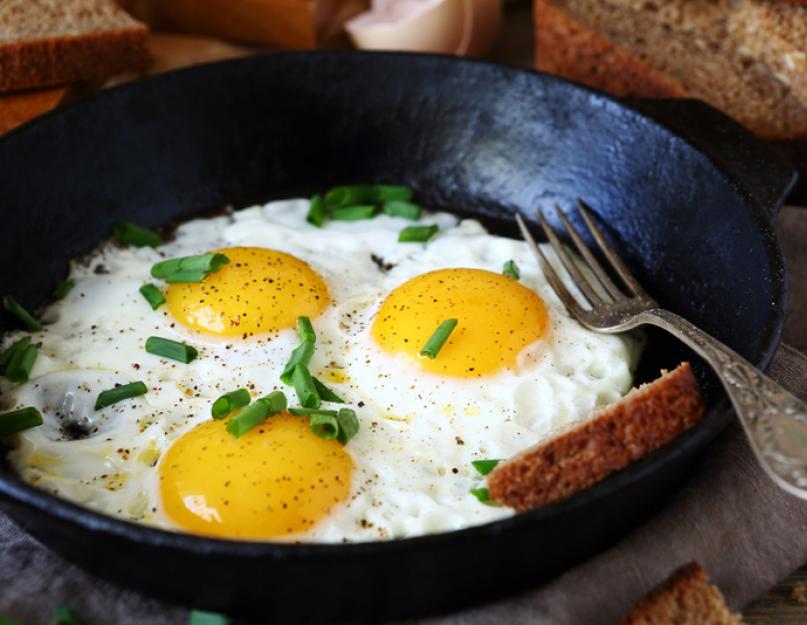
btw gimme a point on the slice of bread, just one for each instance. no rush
(616, 435)
(692, 48)
(55, 42)
(685, 598)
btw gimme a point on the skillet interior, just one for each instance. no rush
(471, 136)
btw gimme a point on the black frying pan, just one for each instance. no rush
(691, 211)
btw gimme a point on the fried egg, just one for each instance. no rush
(515, 369)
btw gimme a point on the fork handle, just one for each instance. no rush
(774, 419)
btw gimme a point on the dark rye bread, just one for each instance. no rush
(616, 435)
(685, 598)
(675, 48)
(55, 42)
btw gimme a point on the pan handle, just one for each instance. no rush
(757, 168)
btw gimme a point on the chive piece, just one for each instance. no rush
(482, 494)
(438, 339)
(316, 211)
(190, 275)
(229, 403)
(171, 349)
(305, 331)
(402, 208)
(132, 234)
(310, 412)
(153, 295)
(388, 192)
(198, 617)
(5, 357)
(511, 270)
(276, 400)
(304, 387)
(119, 393)
(19, 420)
(300, 356)
(62, 615)
(256, 413)
(349, 195)
(417, 234)
(483, 467)
(325, 426)
(353, 213)
(21, 363)
(62, 289)
(348, 424)
(204, 263)
(13, 306)
(326, 394)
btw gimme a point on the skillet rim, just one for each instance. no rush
(717, 418)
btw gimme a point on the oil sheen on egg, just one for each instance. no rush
(515, 369)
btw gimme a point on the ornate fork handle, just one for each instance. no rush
(774, 419)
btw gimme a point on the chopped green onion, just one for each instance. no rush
(402, 208)
(5, 357)
(185, 276)
(198, 617)
(119, 393)
(317, 212)
(62, 289)
(19, 420)
(300, 356)
(171, 349)
(482, 494)
(348, 424)
(510, 270)
(256, 413)
(483, 467)
(417, 234)
(354, 213)
(326, 394)
(21, 363)
(438, 339)
(349, 195)
(62, 615)
(12, 306)
(324, 425)
(387, 192)
(310, 412)
(132, 234)
(229, 403)
(304, 387)
(190, 266)
(153, 295)
(305, 331)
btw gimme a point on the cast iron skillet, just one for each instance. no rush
(692, 212)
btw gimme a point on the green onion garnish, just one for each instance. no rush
(310, 412)
(482, 494)
(316, 211)
(387, 192)
(132, 234)
(190, 275)
(303, 352)
(119, 393)
(5, 357)
(353, 213)
(62, 289)
(326, 394)
(229, 403)
(62, 615)
(417, 234)
(170, 349)
(21, 363)
(188, 268)
(483, 467)
(12, 306)
(19, 420)
(324, 425)
(349, 195)
(510, 270)
(305, 331)
(438, 339)
(198, 617)
(153, 295)
(256, 413)
(304, 387)
(348, 424)
(402, 208)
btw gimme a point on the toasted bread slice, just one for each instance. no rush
(616, 435)
(55, 42)
(685, 598)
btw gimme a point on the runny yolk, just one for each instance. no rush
(258, 291)
(497, 317)
(279, 478)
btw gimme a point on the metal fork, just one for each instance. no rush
(774, 420)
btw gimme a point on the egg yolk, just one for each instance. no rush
(497, 317)
(258, 291)
(278, 478)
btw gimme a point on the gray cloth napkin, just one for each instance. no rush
(746, 532)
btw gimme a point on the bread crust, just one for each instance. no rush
(615, 436)
(90, 57)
